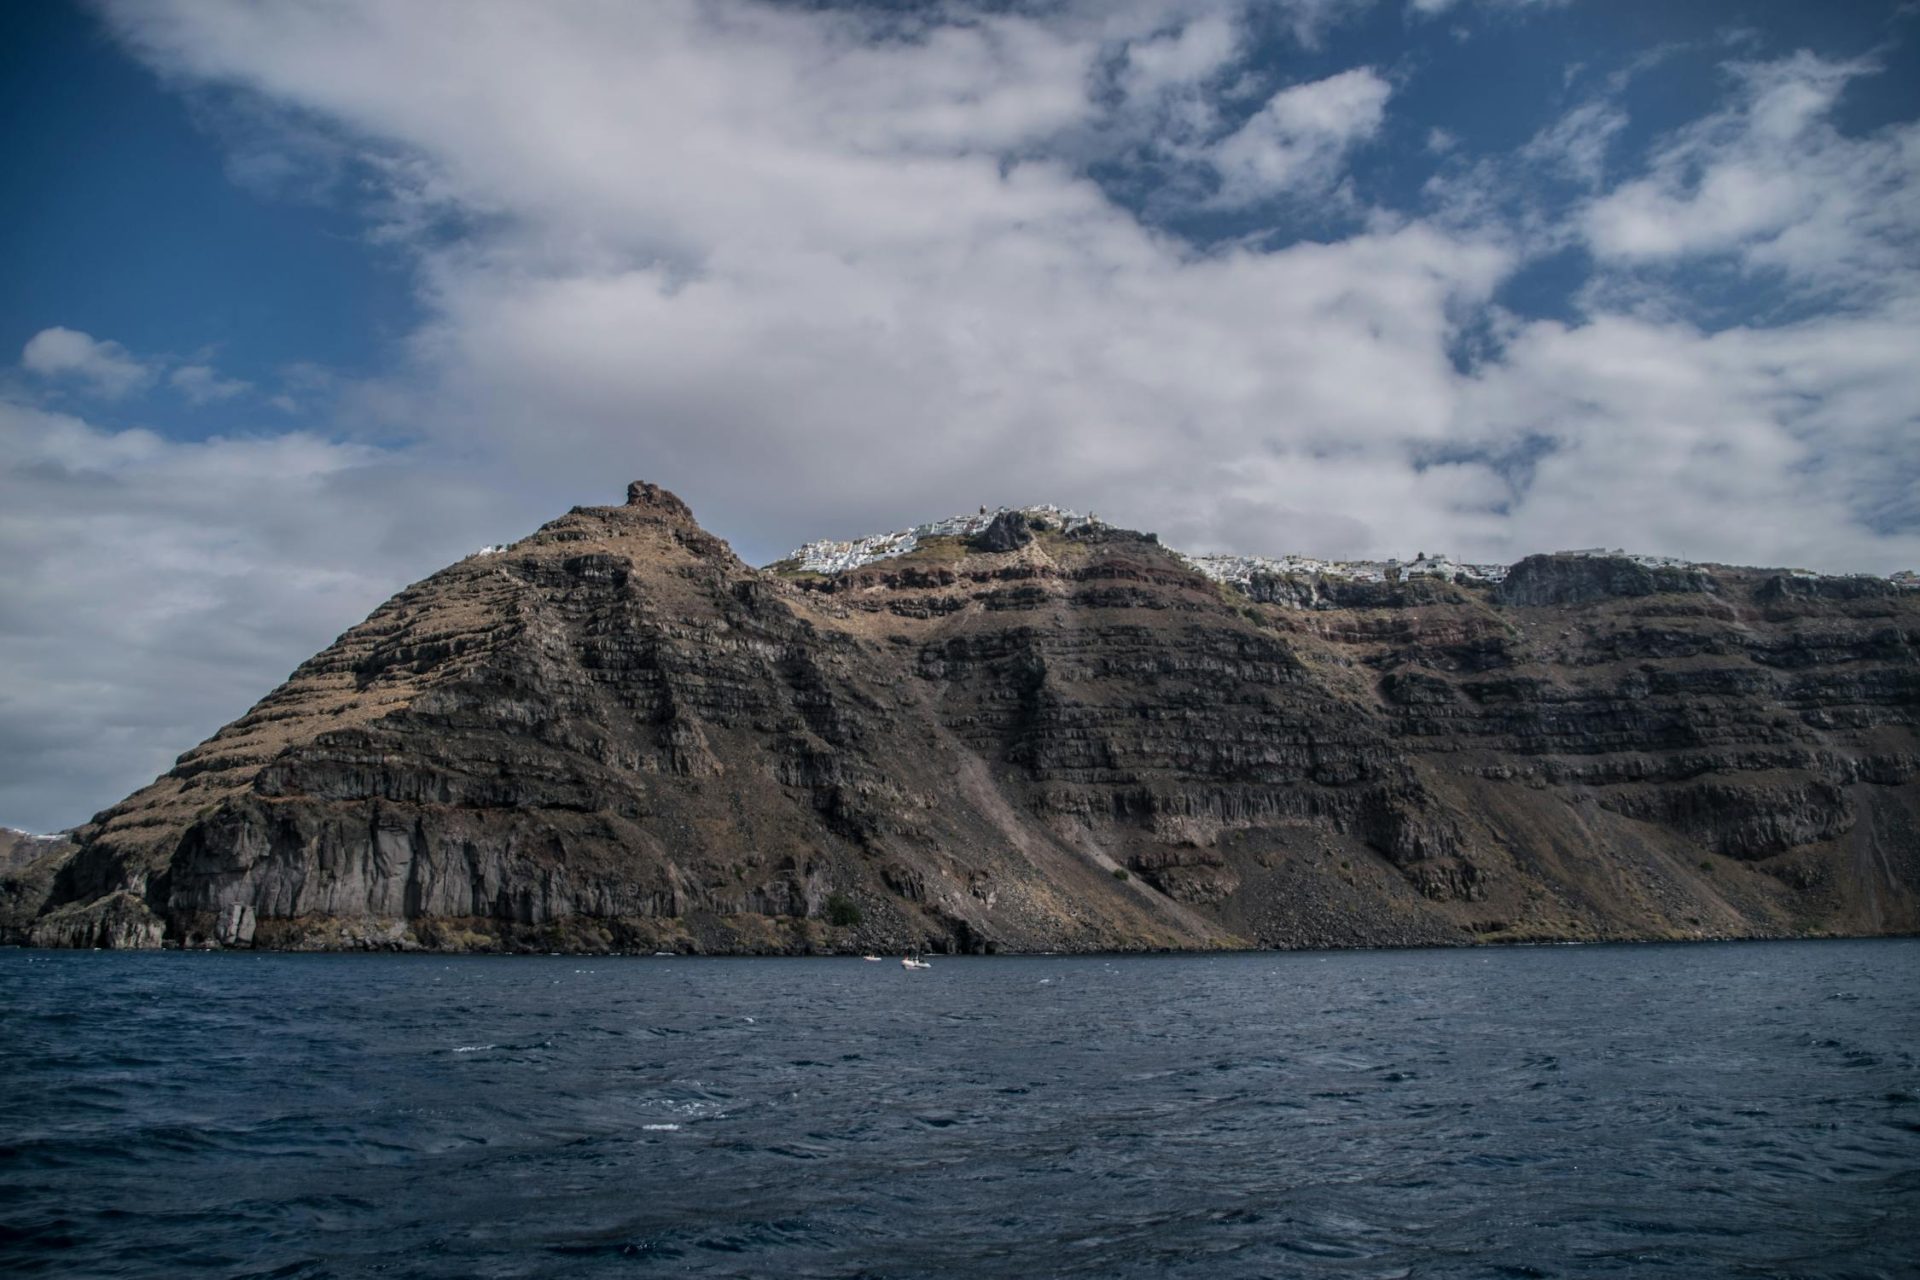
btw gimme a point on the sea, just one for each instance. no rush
(1743, 1109)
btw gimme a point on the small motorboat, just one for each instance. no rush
(871, 959)
(913, 962)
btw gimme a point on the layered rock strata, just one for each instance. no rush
(1034, 733)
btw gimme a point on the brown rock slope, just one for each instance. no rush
(615, 735)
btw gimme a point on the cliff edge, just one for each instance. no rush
(1033, 731)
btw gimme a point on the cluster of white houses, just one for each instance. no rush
(828, 556)
(831, 557)
(1241, 570)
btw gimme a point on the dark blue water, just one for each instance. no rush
(1742, 1110)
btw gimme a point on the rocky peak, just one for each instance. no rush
(652, 498)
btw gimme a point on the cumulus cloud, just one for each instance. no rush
(1431, 8)
(105, 368)
(1301, 136)
(1771, 182)
(1788, 445)
(1576, 144)
(1185, 56)
(109, 371)
(155, 589)
(200, 384)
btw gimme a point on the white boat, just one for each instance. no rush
(913, 962)
(871, 959)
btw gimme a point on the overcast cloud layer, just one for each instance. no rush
(830, 273)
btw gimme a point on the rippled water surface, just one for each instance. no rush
(1745, 1110)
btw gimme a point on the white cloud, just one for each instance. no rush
(1301, 136)
(155, 589)
(199, 384)
(111, 372)
(1183, 57)
(1777, 446)
(1770, 182)
(106, 368)
(1432, 8)
(1576, 144)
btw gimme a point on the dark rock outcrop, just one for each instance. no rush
(614, 735)
(120, 921)
(29, 865)
(1581, 579)
(1007, 532)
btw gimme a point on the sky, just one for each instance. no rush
(300, 302)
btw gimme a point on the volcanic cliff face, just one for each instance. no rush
(1043, 734)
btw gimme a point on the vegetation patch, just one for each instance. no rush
(790, 570)
(937, 550)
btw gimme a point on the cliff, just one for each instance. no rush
(1033, 731)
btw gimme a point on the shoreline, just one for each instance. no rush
(890, 953)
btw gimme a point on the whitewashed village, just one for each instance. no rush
(830, 557)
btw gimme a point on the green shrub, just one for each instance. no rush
(1119, 873)
(842, 911)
